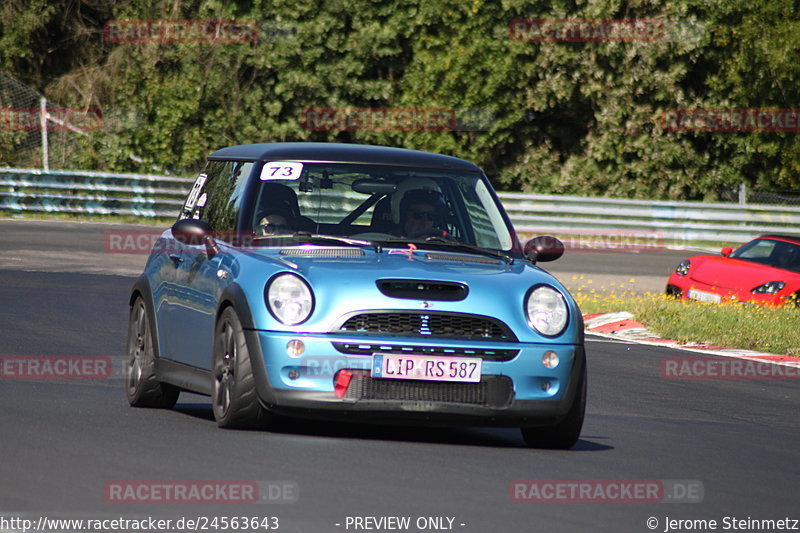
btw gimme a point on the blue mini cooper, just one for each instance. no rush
(356, 282)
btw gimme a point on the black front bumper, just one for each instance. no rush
(410, 402)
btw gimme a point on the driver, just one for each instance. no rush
(788, 259)
(420, 213)
(275, 221)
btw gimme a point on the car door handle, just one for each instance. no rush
(176, 258)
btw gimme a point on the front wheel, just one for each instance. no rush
(143, 387)
(673, 291)
(793, 301)
(565, 433)
(234, 399)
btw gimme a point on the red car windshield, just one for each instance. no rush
(771, 252)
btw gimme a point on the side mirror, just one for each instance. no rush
(726, 251)
(543, 249)
(192, 231)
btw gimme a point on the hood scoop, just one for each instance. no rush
(461, 258)
(322, 252)
(417, 289)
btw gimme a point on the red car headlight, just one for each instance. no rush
(769, 288)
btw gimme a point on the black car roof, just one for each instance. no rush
(308, 152)
(794, 238)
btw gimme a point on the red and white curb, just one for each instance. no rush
(622, 326)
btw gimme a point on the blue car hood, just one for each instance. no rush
(345, 284)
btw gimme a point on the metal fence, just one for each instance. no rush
(98, 193)
(41, 133)
(606, 222)
(747, 195)
(609, 222)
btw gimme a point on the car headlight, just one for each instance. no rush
(547, 311)
(289, 299)
(683, 268)
(769, 288)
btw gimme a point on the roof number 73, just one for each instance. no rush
(281, 170)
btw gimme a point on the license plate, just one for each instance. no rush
(702, 296)
(427, 368)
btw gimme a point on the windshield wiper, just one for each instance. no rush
(455, 247)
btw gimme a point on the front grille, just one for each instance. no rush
(487, 354)
(451, 325)
(384, 323)
(492, 391)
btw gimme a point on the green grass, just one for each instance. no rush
(764, 329)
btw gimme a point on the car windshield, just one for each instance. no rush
(378, 204)
(774, 253)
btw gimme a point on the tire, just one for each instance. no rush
(793, 301)
(564, 434)
(674, 292)
(141, 382)
(234, 398)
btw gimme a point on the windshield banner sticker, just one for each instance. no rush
(281, 170)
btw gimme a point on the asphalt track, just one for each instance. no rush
(63, 441)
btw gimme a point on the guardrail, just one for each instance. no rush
(610, 222)
(593, 222)
(96, 193)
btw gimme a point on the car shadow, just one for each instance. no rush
(197, 410)
(497, 437)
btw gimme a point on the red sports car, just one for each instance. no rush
(764, 271)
